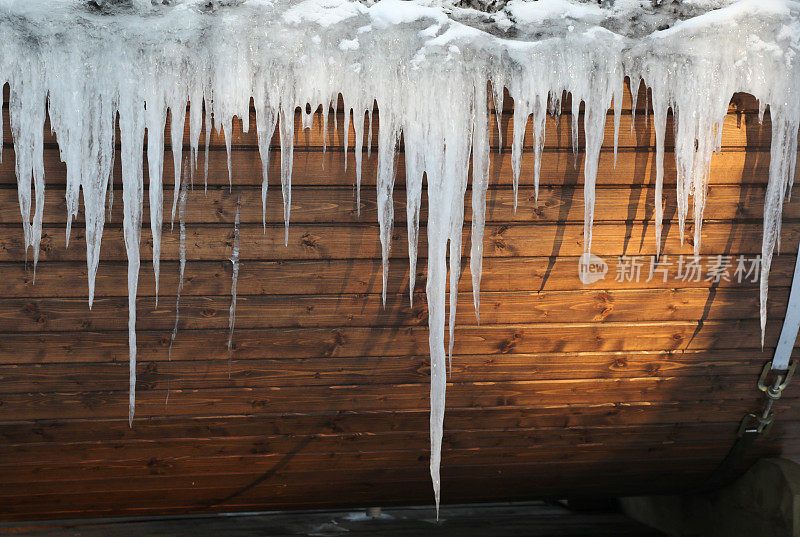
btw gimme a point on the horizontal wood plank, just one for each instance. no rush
(108, 404)
(559, 166)
(68, 279)
(310, 311)
(338, 205)
(91, 346)
(329, 371)
(306, 241)
(499, 485)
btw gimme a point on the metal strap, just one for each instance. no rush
(791, 323)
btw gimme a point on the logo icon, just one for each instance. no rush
(591, 268)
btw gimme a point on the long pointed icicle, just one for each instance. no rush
(177, 110)
(521, 115)
(131, 126)
(181, 251)
(457, 151)
(660, 124)
(439, 207)
(387, 140)
(286, 128)
(234, 280)
(27, 109)
(617, 98)
(539, 119)
(781, 171)
(96, 181)
(358, 150)
(480, 184)
(438, 230)
(195, 127)
(110, 185)
(266, 118)
(155, 118)
(414, 171)
(594, 124)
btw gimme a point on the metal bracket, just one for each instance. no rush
(774, 391)
(755, 424)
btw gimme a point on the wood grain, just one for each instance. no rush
(68, 279)
(338, 205)
(323, 401)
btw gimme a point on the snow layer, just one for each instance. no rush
(425, 64)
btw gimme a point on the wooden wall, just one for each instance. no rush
(614, 388)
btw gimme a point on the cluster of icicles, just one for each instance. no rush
(426, 72)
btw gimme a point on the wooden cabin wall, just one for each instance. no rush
(614, 388)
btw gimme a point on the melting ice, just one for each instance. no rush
(90, 64)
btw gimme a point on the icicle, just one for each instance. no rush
(414, 170)
(286, 128)
(177, 110)
(539, 118)
(683, 168)
(358, 149)
(660, 123)
(266, 118)
(706, 147)
(87, 146)
(131, 127)
(155, 119)
(521, 114)
(307, 116)
(618, 91)
(346, 137)
(27, 109)
(181, 251)
(234, 280)
(576, 109)
(635, 82)
(498, 86)
(208, 127)
(111, 166)
(480, 184)
(438, 230)
(387, 142)
(334, 108)
(554, 107)
(2, 88)
(96, 177)
(195, 127)
(457, 153)
(324, 116)
(783, 155)
(594, 120)
(68, 111)
(369, 134)
(226, 130)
